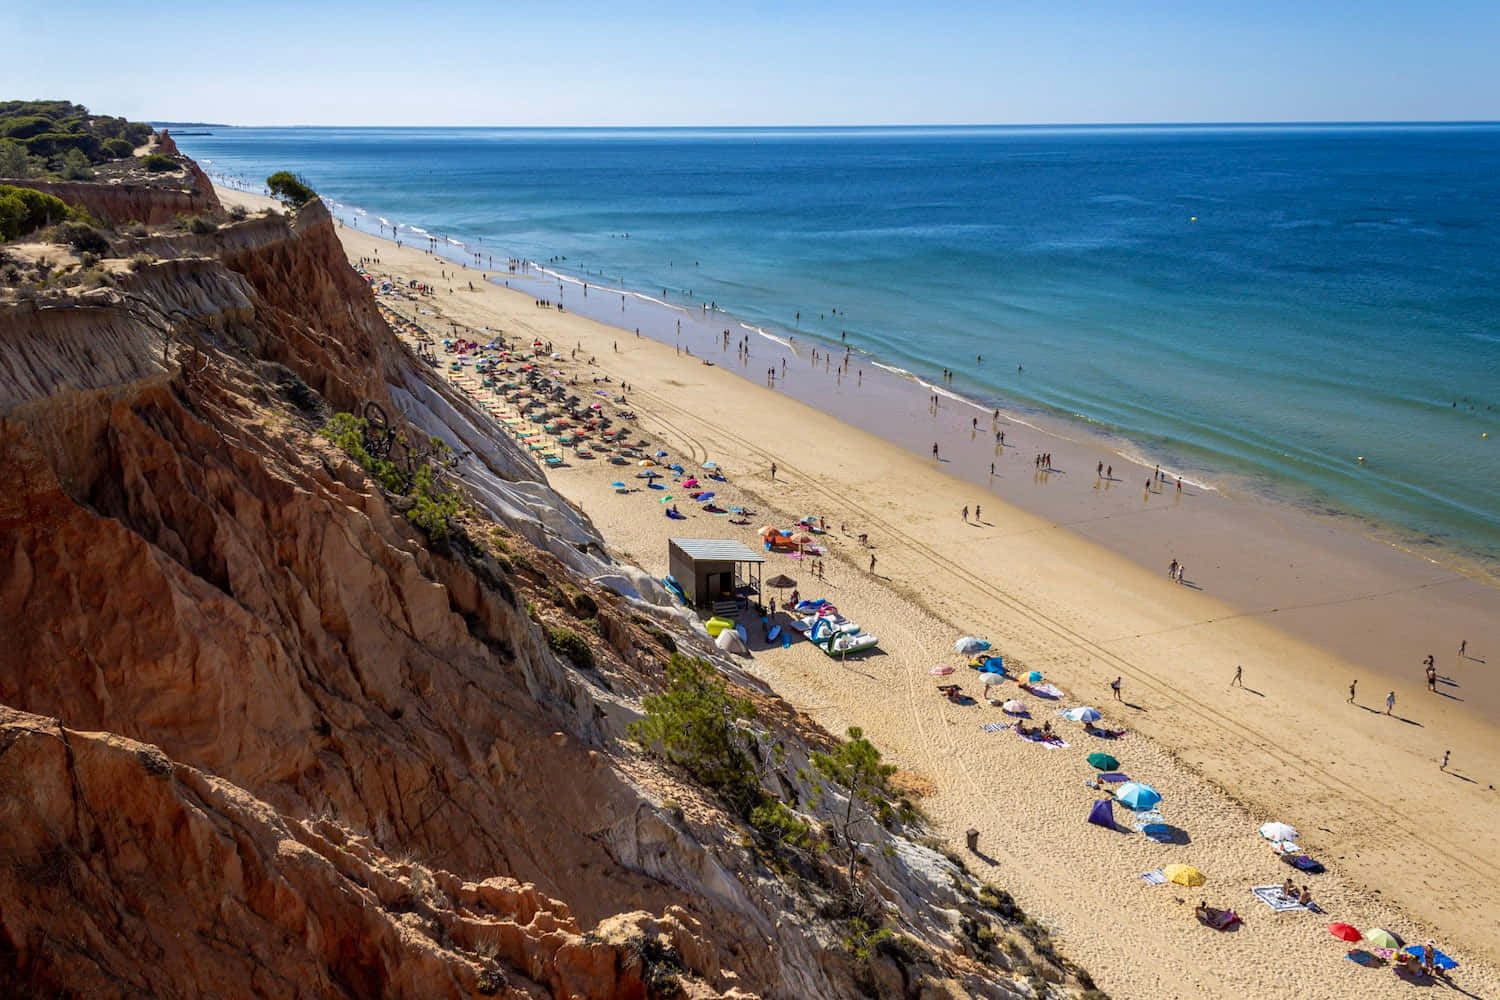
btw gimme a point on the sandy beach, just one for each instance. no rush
(1064, 572)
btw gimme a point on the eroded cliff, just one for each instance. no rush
(267, 738)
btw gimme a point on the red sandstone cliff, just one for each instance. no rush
(264, 740)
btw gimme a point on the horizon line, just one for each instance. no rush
(1354, 122)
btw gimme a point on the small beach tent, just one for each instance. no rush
(730, 642)
(712, 569)
(1103, 814)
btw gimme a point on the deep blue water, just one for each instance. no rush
(1337, 293)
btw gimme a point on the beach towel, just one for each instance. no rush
(1273, 897)
(1154, 877)
(1307, 864)
(1054, 743)
(1159, 832)
(1113, 776)
(993, 727)
(1144, 818)
(1221, 921)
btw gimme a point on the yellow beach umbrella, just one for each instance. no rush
(1382, 939)
(1184, 875)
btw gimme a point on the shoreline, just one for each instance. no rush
(1053, 599)
(1287, 497)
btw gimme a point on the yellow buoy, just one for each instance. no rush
(1193, 219)
(1361, 460)
(1485, 434)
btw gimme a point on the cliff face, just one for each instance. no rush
(262, 734)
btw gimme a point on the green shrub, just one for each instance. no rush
(13, 159)
(82, 237)
(774, 820)
(25, 126)
(566, 642)
(76, 166)
(23, 210)
(434, 507)
(695, 724)
(237, 213)
(200, 226)
(290, 188)
(156, 163)
(120, 149)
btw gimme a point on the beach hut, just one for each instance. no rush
(713, 570)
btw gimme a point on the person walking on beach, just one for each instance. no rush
(1432, 678)
(773, 472)
(992, 469)
(1115, 687)
(1463, 648)
(1109, 472)
(935, 452)
(1446, 755)
(1172, 570)
(976, 513)
(1351, 689)
(966, 514)
(1179, 486)
(1239, 674)
(1390, 702)
(872, 562)
(1099, 469)
(1180, 570)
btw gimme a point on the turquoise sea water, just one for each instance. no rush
(1337, 296)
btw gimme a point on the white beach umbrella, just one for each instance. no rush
(1083, 713)
(990, 680)
(1014, 706)
(971, 644)
(1278, 831)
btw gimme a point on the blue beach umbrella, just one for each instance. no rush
(1134, 795)
(710, 465)
(661, 454)
(1083, 713)
(618, 485)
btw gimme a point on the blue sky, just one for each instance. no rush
(671, 63)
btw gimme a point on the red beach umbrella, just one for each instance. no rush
(1345, 933)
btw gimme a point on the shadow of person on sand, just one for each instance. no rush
(1257, 694)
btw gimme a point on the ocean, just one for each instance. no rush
(1252, 307)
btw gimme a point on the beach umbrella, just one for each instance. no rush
(971, 644)
(1134, 795)
(1014, 706)
(618, 485)
(1103, 761)
(1046, 691)
(1184, 875)
(661, 454)
(1278, 831)
(1033, 677)
(646, 462)
(781, 581)
(1345, 932)
(690, 483)
(710, 465)
(705, 497)
(1382, 939)
(995, 663)
(1083, 713)
(991, 680)
(941, 671)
